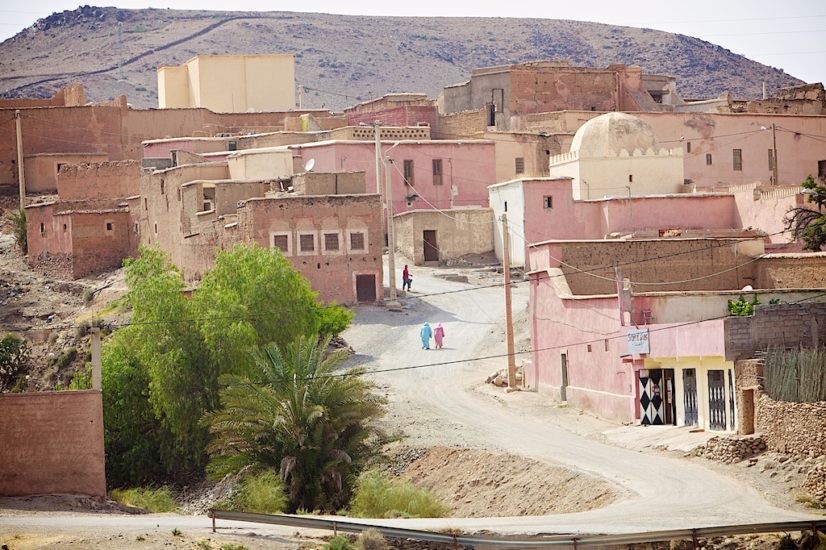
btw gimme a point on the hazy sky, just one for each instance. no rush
(789, 34)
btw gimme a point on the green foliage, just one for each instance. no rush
(252, 297)
(333, 319)
(14, 361)
(293, 413)
(81, 379)
(742, 308)
(155, 500)
(261, 493)
(177, 532)
(805, 223)
(17, 220)
(166, 366)
(378, 496)
(233, 546)
(339, 542)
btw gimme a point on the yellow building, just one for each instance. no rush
(230, 83)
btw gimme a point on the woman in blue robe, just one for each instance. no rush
(426, 334)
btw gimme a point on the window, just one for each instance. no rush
(506, 206)
(145, 204)
(232, 145)
(548, 201)
(630, 178)
(109, 226)
(771, 159)
(42, 228)
(281, 241)
(357, 241)
(708, 159)
(737, 159)
(65, 227)
(408, 172)
(519, 163)
(688, 147)
(156, 229)
(437, 171)
(331, 242)
(163, 186)
(58, 167)
(306, 242)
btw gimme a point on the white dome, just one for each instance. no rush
(607, 135)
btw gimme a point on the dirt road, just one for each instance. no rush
(438, 404)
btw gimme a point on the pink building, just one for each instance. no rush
(657, 352)
(426, 173)
(404, 109)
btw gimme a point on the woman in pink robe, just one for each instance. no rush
(439, 335)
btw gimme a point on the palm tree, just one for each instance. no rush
(296, 414)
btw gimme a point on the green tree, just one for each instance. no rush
(805, 223)
(252, 297)
(293, 412)
(178, 347)
(17, 220)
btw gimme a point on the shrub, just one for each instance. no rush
(371, 539)
(17, 219)
(333, 319)
(262, 493)
(148, 498)
(742, 308)
(377, 496)
(339, 542)
(64, 359)
(14, 361)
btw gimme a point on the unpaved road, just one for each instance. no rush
(659, 492)
(440, 405)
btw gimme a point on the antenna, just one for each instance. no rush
(309, 166)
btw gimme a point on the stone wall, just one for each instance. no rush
(732, 449)
(792, 271)
(52, 443)
(778, 325)
(795, 428)
(462, 231)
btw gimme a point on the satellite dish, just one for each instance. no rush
(309, 166)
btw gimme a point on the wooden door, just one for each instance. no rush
(431, 250)
(366, 288)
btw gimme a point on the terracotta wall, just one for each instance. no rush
(792, 271)
(464, 124)
(331, 273)
(105, 180)
(52, 443)
(405, 115)
(460, 232)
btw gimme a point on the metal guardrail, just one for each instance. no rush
(538, 541)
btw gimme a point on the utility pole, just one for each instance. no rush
(97, 379)
(774, 155)
(391, 240)
(506, 262)
(21, 173)
(377, 137)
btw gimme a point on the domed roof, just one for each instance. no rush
(607, 135)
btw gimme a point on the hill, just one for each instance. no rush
(346, 59)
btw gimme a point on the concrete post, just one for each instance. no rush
(97, 365)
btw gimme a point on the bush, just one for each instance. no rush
(333, 319)
(64, 359)
(742, 308)
(377, 496)
(14, 361)
(148, 498)
(339, 542)
(262, 493)
(371, 539)
(17, 219)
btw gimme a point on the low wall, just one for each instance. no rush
(52, 442)
(796, 428)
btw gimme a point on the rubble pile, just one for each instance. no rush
(815, 483)
(731, 449)
(500, 377)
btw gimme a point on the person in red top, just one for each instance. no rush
(407, 280)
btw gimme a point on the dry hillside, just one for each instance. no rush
(343, 59)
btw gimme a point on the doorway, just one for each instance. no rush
(431, 250)
(366, 288)
(690, 397)
(656, 390)
(716, 400)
